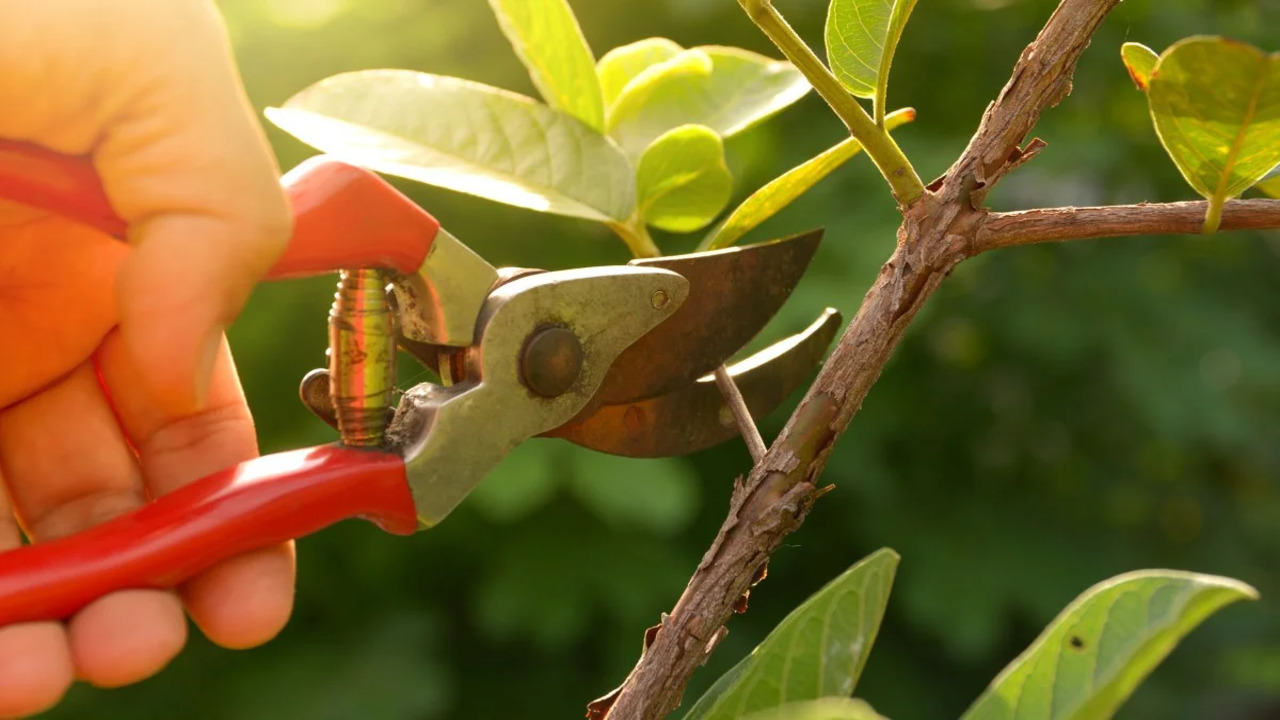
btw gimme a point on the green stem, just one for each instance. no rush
(880, 146)
(1213, 218)
(634, 233)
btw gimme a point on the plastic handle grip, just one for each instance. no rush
(253, 505)
(344, 216)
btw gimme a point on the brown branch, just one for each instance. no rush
(1001, 230)
(1041, 78)
(937, 233)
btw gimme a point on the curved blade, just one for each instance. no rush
(695, 417)
(733, 293)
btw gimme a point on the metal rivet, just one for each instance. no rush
(552, 361)
(659, 299)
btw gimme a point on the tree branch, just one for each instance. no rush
(1001, 230)
(937, 233)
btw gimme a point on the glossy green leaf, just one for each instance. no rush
(862, 36)
(467, 137)
(682, 181)
(1270, 185)
(1096, 652)
(725, 89)
(547, 39)
(817, 651)
(1140, 61)
(786, 188)
(622, 64)
(828, 708)
(1216, 107)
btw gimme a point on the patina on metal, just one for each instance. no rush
(733, 293)
(695, 416)
(439, 303)
(451, 437)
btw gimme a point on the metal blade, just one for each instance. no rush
(733, 294)
(695, 417)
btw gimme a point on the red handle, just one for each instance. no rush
(253, 505)
(344, 216)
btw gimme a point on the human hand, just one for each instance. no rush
(116, 383)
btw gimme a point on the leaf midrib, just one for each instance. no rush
(1234, 154)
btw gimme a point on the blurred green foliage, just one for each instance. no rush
(1057, 415)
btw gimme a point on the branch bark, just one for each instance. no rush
(1002, 230)
(940, 230)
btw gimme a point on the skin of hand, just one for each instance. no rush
(116, 384)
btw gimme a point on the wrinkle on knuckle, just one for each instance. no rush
(228, 426)
(80, 513)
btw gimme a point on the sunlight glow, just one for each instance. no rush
(305, 13)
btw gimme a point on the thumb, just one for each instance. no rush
(150, 89)
(183, 284)
(185, 163)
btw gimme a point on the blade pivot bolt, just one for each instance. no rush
(552, 361)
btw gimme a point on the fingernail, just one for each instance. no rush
(204, 365)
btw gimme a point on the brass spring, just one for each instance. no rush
(362, 355)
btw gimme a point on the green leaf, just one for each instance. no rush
(827, 708)
(1140, 61)
(547, 39)
(1270, 185)
(725, 89)
(467, 137)
(1216, 107)
(1093, 655)
(786, 188)
(622, 64)
(817, 651)
(682, 181)
(862, 36)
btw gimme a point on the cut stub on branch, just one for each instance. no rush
(762, 572)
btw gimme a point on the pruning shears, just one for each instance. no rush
(613, 358)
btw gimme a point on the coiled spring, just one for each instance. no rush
(362, 355)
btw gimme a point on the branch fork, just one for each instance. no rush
(943, 225)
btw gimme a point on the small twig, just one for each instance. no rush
(876, 140)
(741, 414)
(1028, 227)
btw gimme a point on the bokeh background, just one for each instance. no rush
(1055, 416)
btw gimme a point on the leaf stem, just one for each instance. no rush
(634, 233)
(1213, 218)
(880, 146)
